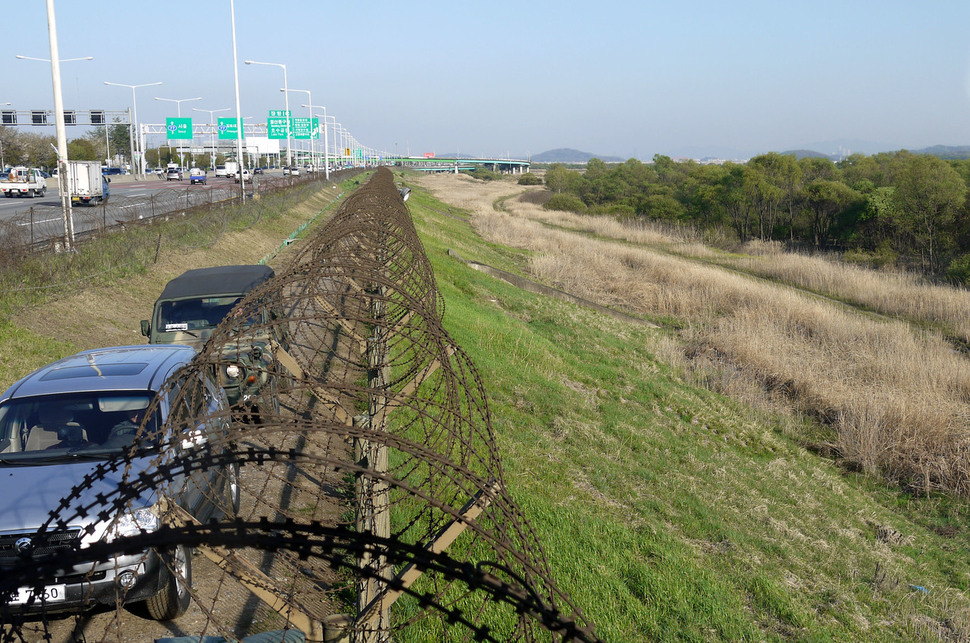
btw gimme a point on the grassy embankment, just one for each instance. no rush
(668, 510)
(54, 305)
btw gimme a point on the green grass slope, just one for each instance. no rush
(669, 512)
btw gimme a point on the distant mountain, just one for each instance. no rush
(806, 154)
(946, 151)
(567, 155)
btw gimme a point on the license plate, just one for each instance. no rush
(50, 594)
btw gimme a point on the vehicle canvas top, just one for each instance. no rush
(121, 368)
(221, 280)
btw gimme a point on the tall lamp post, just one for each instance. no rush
(326, 140)
(63, 187)
(60, 127)
(325, 159)
(309, 100)
(286, 94)
(134, 125)
(3, 165)
(178, 102)
(212, 156)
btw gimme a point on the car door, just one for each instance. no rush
(199, 418)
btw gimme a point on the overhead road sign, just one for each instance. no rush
(305, 127)
(178, 128)
(229, 129)
(276, 126)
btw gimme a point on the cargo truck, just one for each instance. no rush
(23, 181)
(86, 184)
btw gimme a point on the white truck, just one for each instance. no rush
(23, 181)
(86, 184)
(231, 168)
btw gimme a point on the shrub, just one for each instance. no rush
(565, 202)
(959, 270)
(484, 174)
(882, 257)
(530, 179)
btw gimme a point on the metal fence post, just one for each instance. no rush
(372, 506)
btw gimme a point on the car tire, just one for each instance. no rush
(173, 599)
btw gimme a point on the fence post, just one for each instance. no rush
(372, 506)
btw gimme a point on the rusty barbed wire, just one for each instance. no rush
(373, 502)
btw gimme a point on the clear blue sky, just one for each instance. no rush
(635, 78)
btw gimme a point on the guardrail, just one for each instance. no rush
(41, 228)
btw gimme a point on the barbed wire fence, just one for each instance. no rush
(373, 502)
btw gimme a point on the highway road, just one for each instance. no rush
(131, 199)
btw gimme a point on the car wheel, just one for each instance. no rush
(173, 599)
(30, 194)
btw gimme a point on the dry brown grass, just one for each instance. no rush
(897, 397)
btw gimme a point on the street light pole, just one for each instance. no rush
(61, 132)
(309, 99)
(178, 102)
(134, 124)
(212, 156)
(239, 119)
(326, 160)
(3, 165)
(326, 142)
(65, 193)
(286, 94)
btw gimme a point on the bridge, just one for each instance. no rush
(455, 164)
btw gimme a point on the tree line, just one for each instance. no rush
(888, 209)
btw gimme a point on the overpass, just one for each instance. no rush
(453, 164)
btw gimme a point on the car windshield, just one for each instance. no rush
(101, 424)
(195, 314)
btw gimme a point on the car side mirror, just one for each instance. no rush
(146, 328)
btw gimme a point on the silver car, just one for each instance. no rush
(61, 429)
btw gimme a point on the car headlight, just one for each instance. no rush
(132, 523)
(233, 371)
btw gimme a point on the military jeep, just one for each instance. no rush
(194, 304)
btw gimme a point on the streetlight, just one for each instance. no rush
(178, 102)
(134, 125)
(47, 60)
(326, 141)
(212, 157)
(3, 165)
(309, 99)
(286, 94)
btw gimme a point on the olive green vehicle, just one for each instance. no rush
(192, 306)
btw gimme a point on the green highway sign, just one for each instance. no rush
(178, 128)
(276, 126)
(305, 127)
(279, 113)
(229, 129)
